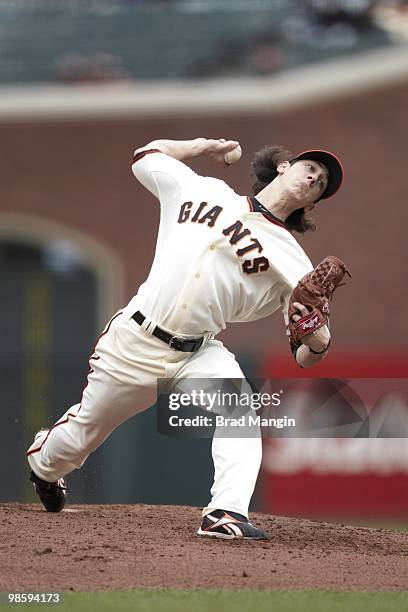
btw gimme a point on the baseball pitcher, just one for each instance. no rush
(220, 258)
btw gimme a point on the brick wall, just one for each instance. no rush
(78, 173)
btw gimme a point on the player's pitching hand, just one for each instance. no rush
(217, 149)
(317, 340)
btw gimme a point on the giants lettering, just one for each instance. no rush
(236, 229)
(260, 264)
(208, 217)
(184, 212)
(249, 266)
(236, 233)
(255, 245)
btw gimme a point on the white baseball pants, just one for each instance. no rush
(123, 382)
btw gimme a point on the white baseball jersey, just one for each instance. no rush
(217, 261)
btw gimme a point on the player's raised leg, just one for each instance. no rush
(121, 383)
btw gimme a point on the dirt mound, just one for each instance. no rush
(86, 548)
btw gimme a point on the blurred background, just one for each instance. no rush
(85, 82)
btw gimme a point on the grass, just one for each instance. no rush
(201, 600)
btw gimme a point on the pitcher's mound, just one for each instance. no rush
(88, 548)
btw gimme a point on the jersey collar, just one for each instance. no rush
(256, 206)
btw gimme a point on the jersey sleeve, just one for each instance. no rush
(285, 308)
(293, 265)
(165, 177)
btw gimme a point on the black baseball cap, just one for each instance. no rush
(333, 166)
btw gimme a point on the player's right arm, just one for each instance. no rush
(184, 150)
(159, 166)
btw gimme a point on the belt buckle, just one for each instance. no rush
(176, 343)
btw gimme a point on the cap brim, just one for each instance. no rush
(333, 166)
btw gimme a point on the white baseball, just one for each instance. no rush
(233, 156)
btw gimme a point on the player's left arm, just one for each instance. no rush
(308, 310)
(315, 345)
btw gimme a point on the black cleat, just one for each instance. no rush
(229, 525)
(53, 495)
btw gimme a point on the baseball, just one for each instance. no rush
(233, 156)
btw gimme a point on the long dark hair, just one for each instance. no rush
(264, 167)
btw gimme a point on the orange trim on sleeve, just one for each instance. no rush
(143, 153)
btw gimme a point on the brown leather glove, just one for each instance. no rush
(314, 291)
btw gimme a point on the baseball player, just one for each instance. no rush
(220, 257)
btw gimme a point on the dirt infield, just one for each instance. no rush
(86, 548)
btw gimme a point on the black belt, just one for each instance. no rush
(178, 344)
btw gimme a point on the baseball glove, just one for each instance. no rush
(314, 291)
